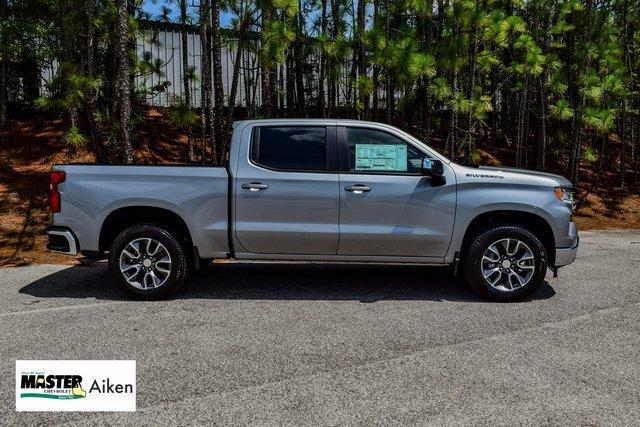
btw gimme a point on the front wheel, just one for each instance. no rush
(506, 263)
(147, 262)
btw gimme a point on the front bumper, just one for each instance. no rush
(565, 256)
(62, 240)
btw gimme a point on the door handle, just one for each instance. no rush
(358, 188)
(255, 186)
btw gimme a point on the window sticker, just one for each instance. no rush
(381, 157)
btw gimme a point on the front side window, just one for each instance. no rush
(291, 148)
(376, 151)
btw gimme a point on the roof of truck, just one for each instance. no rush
(336, 122)
(315, 120)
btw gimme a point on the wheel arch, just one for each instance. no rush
(532, 222)
(124, 217)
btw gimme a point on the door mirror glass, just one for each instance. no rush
(432, 167)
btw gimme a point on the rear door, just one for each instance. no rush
(286, 191)
(387, 207)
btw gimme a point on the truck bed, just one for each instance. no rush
(197, 194)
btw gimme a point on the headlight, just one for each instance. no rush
(565, 195)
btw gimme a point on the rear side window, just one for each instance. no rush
(290, 148)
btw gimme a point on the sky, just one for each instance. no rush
(155, 9)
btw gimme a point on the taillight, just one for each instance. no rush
(55, 178)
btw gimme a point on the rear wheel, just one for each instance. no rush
(506, 263)
(147, 262)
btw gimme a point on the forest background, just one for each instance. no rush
(550, 85)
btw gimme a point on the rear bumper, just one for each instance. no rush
(62, 240)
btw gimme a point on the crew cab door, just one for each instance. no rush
(286, 191)
(387, 208)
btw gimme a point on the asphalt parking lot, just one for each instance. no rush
(309, 344)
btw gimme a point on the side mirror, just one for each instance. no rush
(432, 167)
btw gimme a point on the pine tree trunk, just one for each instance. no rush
(68, 50)
(600, 163)
(542, 137)
(124, 82)
(494, 113)
(333, 87)
(267, 77)
(280, 85)
(623, 119)
(360, 60)
(520, 124)
(221, 140)
(389, 77)
(376, 71)
(542, 141)
(233, 92)
(633, 132)
(323, 64)
(185, 76)
(299, 63)
(290, 85)
(452, 137)
(273, 91)
(472, 75)
(248, 93)
(3, 67)
(95, 128)
(206, 107)
(577, 154)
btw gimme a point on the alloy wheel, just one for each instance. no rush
(508, 264)
(145, 263)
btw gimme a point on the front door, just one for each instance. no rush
(387, 208)
(286, 194)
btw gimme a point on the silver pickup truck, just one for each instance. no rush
(316, 191)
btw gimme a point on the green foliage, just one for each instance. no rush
(422, 65)
(181, 115)
(191, 74)
(589, 155)
(288, 7)
(592, 87)
(68, 89)
(277, 36)
(561, 110)
(421, 7)
(487, 60)
(457, 69)
(557, 83)
(600, 120)
(74, 138)
(459, 103)
(475, 157)
(512, 26)
(364, 85)
(439, 89)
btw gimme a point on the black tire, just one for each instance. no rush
(178, 267)
(481, 242)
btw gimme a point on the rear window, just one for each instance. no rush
(290, 148)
